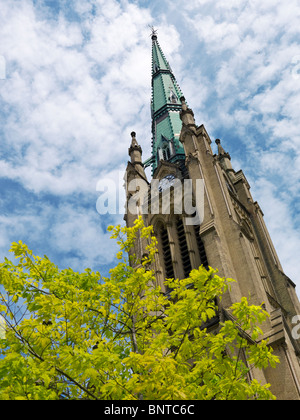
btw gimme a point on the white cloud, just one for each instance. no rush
(78, 232)
(70, 232)
(67, 97)
(72, 92)
(285, 233)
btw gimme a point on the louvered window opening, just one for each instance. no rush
(166, 253)
(201, 249)
(185, 257)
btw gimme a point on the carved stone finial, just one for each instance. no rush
(134, 142)
(221, 151)
(183, 103)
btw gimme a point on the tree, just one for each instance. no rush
(76, 335)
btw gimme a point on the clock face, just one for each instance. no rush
(166, 182)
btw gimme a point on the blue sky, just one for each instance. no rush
(78, 82)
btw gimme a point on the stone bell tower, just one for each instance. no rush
(225, 231)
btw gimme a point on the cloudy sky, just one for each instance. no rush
(75, 81)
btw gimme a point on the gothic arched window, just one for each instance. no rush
(173, 97)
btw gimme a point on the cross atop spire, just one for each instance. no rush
(154, 33)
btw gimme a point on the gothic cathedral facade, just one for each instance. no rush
(230, 235)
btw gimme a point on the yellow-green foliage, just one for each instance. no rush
(81, 336)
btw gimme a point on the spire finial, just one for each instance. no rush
(153, 33)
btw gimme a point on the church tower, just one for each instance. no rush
(203, 213)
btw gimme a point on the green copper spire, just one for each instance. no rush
(165, 108)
